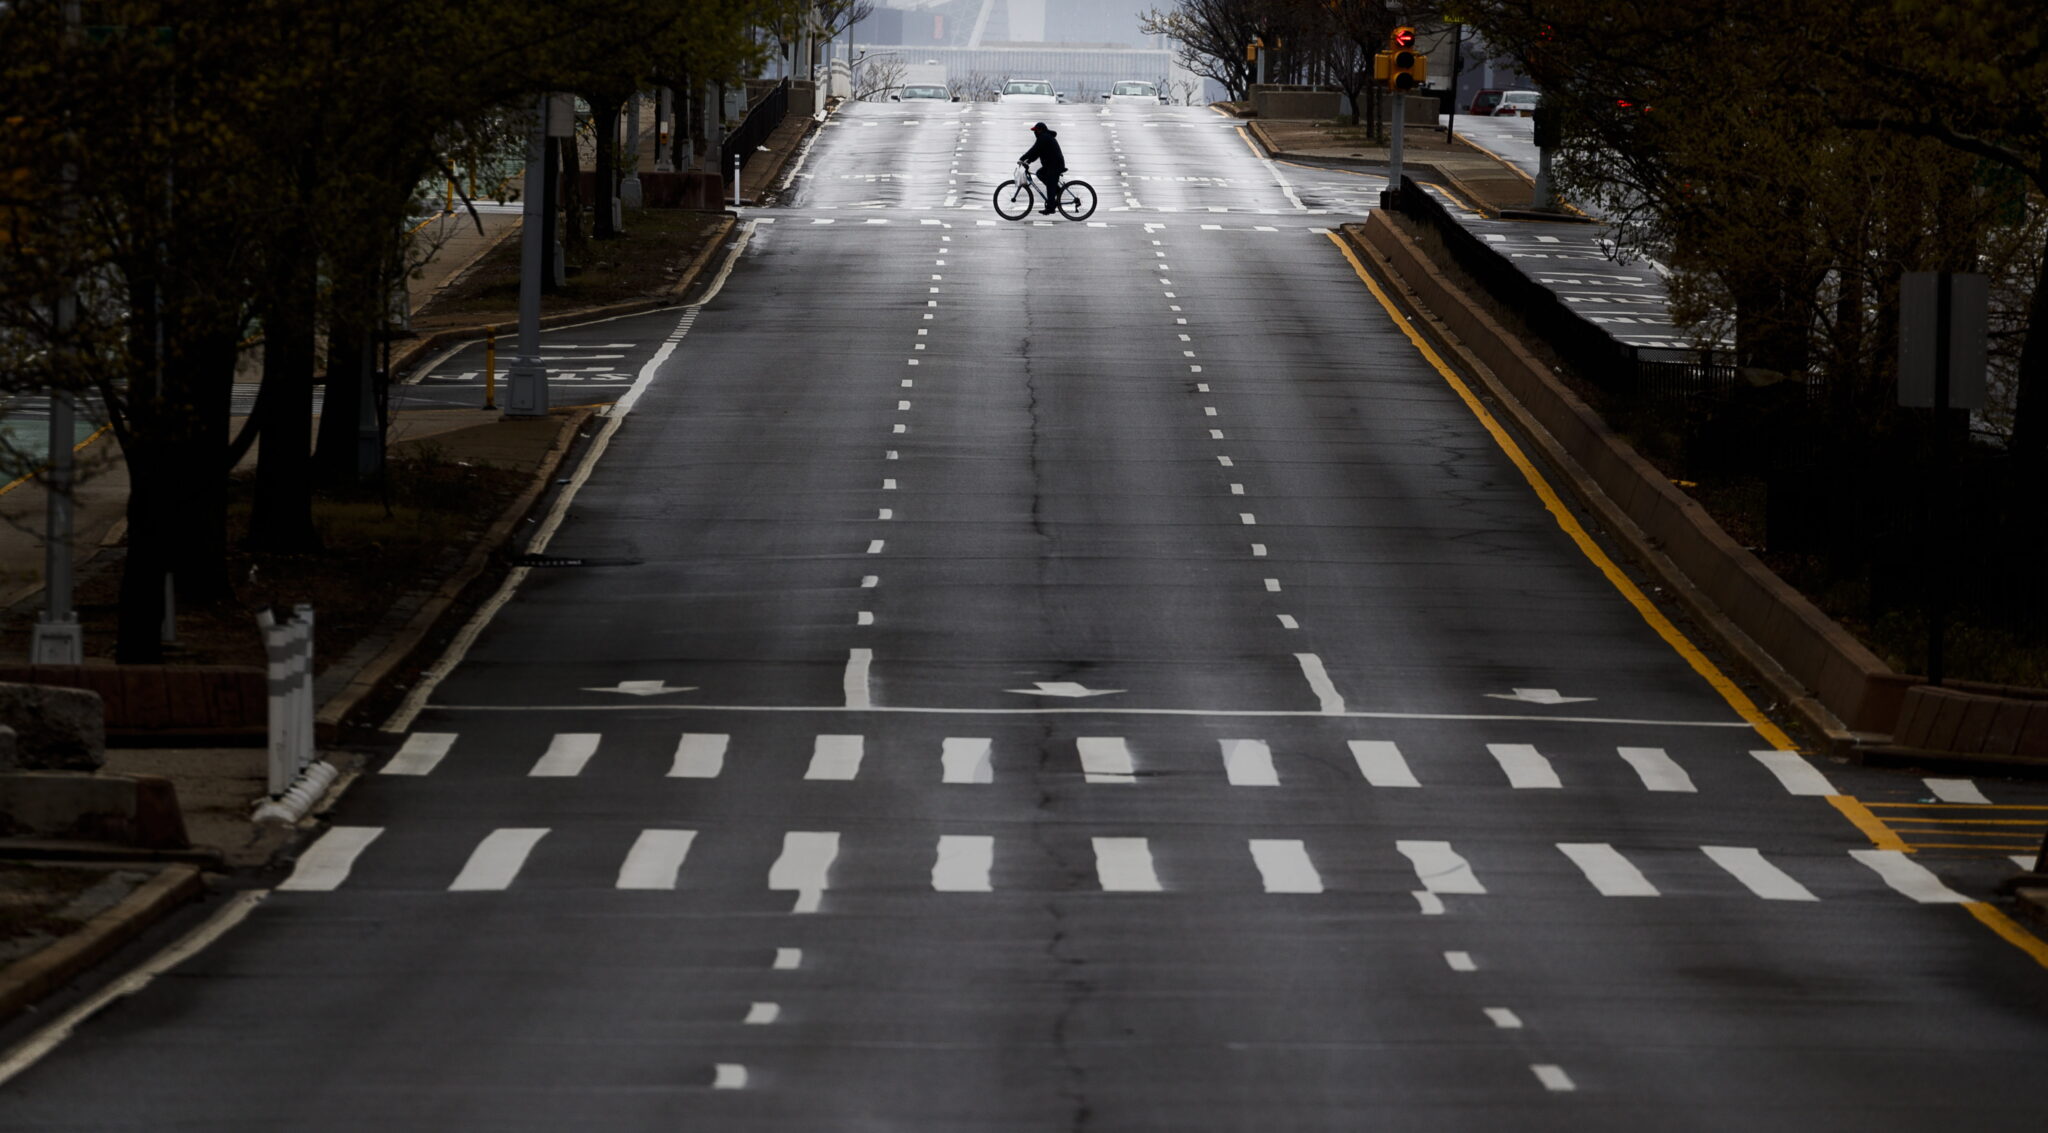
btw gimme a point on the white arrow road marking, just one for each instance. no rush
(643, 688)
(1104, 759)
(966, 760)
(1440, 868)
(806, 860)
(326, 863)
(963, 862)
(1539, 696)
(1909, 877)
(421, 752)
(655, 859)
(1063, 688)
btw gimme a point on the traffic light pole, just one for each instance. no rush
(1396, 129)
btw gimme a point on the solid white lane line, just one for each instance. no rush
(1248, 763)
(1327, 697)
(1284, 866)
(655, 859)
(760, 1014)
(1440, 868)
(1526, 768)
(1553, 1077)
(699, 755)
(1124, 865)
(1957, 791)
(496, 860)
(566, 755)
(1610, 873)
(1658, 771)
(326, 863)
(966, 759)
(787, 959)
(1460, 962)
(1909, 877)
(1105, 759)
(419, 754)
(1748, 866)
(963, 862)
(1503, 1018)
(855, 682)
(1795, 774)
(835, 757)
(1381, 763)
(729, 1076)
(804, 866)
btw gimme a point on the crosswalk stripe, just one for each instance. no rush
(1440, 868)
(963, 862)
(1381, 763)
(1957, 791)
(420, 753)
(1124, 865)
(805, 865)
(2024, 861)
(1610, 873)
(1248, 763)
(1795, 774)
(966, 759)
(496, 859)
(699, 755)
(1105, 759)
(1526, 768)
(1284, 866)
(326, 863)
(566, 755)
(1747, 865)
(835, 757)
(1909, 877)
(655, 859)
(1658, 771)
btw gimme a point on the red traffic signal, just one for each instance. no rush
(1402, 39)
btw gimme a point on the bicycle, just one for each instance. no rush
(1016, 197)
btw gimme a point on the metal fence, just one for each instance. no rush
(1616, 367)
(753, 130)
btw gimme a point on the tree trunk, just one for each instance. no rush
(2030, 398)
(282, 516)
(340, 459)
(575, 245)
(606, 115)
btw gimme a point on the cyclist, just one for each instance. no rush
(1051, 163)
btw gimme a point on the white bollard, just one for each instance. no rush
(304, 714)
(288, 649)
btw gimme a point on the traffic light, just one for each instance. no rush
(1401, 66)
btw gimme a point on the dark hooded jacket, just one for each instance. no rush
(1046, 150)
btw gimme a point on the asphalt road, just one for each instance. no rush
(1082, 676)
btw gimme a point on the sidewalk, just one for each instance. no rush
(1490, 184)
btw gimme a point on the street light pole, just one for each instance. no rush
(526, 381)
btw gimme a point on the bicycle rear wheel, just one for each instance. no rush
(1077, 200)
(1013, 200)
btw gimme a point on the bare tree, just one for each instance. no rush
(1209, 37)
(879, 75)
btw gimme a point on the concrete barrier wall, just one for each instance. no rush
(134, 810)
(1850, 681)
(1297, 103)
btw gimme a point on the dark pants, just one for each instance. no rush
(1051, 180)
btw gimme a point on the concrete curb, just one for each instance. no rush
(1426, 171)
(1790, 693)
(371, 675)
(32, 977)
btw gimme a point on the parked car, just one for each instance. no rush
(1025, 91)
(1518, 104)
(1484, 101)
(1134, 91)
(913, 93)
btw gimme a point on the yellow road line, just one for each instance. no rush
(1730, 692)
(1995, 919)
(1963, 806)
(1859, 816)
(2000, 847)
(1944, 823)
(79, 447)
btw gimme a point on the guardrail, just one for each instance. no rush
(753, 130)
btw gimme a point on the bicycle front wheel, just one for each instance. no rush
(1013, 200)
(1077, 200)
